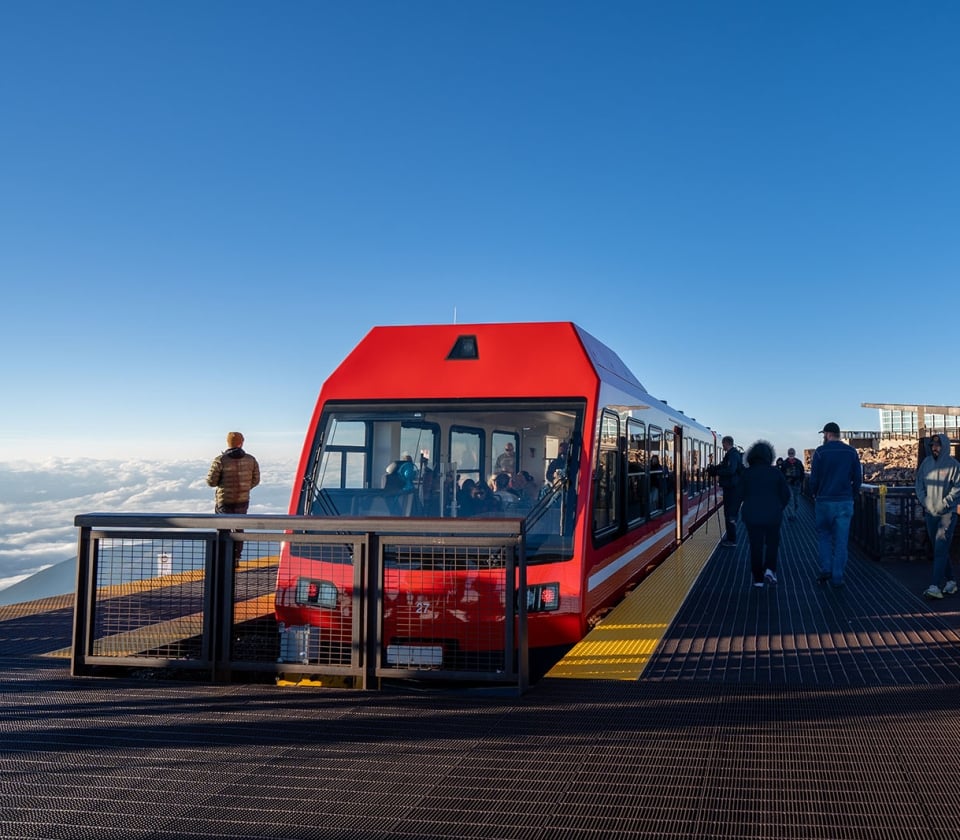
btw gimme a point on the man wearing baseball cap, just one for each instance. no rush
(835, 477)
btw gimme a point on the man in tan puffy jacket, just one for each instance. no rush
(234, 473)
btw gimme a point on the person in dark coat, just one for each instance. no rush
(765, 495)
(793, 472)
(729, 471)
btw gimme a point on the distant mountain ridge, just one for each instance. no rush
(59, 579)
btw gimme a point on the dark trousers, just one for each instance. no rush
(731, 509)
(235, 508)
(764, 546)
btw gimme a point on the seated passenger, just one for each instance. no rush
(524, 486)
(501, 490)
(398, 486)
(407, 470)
(465, 503)
(482, 501)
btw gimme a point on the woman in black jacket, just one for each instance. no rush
(765, 495)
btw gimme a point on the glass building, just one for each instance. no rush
(899, 420)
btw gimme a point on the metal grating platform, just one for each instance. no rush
(787, 713)
(872, 631)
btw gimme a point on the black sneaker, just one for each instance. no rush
(823, 577)
(728, 543)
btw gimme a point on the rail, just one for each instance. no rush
(888, 523)
(164, 592)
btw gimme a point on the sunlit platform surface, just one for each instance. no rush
(789, 712)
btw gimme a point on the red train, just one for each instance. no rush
(532, 420)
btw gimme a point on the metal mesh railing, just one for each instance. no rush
(444, 608)
(366, 603)
(888, 523)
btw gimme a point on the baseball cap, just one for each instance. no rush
(833, 428)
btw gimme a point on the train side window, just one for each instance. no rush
(637, 488)
(344, 461)
(693, 468)
(668, 477)
(655, 468)
(606, 482)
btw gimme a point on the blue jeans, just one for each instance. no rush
(833, 533)
(940, 531)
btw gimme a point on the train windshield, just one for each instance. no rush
(468, 459)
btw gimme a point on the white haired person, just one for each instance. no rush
(234, 473)
(938, 491)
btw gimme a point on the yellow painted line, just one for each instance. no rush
(41, 605)
(175, 630)
(11, 612)
(620, 646)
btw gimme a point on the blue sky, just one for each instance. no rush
(204, 206)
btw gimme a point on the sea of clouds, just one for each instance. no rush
(38, 501)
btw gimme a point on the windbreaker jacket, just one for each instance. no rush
(835, 472)
(234, 473)
(938, 480)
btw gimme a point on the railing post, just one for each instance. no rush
(81, 606)
(220, 624)
(370, 577)
(522, 646)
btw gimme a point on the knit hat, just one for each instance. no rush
(234, 439)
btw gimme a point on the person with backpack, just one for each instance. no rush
(793, 472)
(729, 472)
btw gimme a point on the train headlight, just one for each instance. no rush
(316, 593)
(543, 597)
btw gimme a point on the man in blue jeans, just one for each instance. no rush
(835, 477)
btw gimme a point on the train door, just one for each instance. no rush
(675, 451)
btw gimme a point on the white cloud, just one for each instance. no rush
(39, 501)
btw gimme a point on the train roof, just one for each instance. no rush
(509, 360)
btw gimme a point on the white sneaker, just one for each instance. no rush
(950, 587)
(758, 584)
(770, 577)
(932, 592)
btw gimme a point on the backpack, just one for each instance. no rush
(792, 471)
(737, 476)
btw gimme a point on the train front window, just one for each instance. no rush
(469, 459)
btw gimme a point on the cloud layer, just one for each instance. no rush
(38, 501)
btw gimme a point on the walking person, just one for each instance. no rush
(765, 494)
(793, 472)
(234, 473)
(938, 491)
(729, 471)
(835, 476)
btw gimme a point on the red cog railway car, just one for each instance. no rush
(419, 421)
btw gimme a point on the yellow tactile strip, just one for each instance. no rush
(620, 647)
